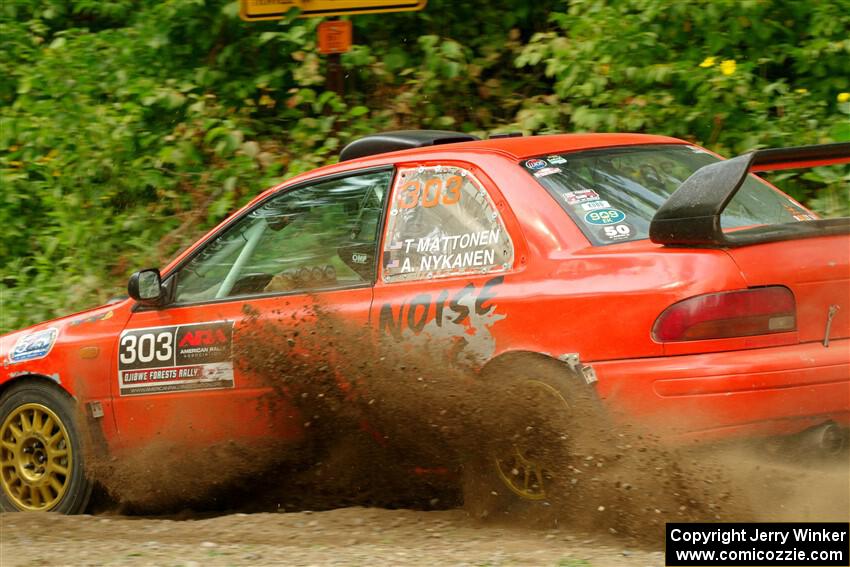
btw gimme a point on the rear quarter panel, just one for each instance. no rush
(817, 270)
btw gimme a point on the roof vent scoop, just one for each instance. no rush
(401, 140)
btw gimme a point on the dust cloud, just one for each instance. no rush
(390, 426)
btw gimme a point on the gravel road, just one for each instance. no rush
(777, 491)
(347, 536)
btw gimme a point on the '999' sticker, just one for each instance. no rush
(605, 216)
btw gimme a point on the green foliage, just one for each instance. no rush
(731, 75)
(130, 127)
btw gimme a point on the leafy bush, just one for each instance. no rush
(733, 76)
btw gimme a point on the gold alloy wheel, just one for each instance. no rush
(521, 471)
(35, 457)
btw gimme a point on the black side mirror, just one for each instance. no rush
(145, 286)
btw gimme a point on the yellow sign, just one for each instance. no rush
(252, 10)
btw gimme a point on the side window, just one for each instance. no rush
(443, 223)
(321, 236)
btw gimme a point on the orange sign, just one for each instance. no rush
(334, 36)
(251, 10)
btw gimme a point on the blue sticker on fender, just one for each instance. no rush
(605, 216)
(34, 346)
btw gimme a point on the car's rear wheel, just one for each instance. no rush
(543, 410)
(41, 459)
(520, 464)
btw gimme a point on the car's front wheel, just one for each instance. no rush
(41, 459)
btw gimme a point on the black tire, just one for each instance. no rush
(548, 416)
(41, 458)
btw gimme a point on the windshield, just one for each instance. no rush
(612, 194)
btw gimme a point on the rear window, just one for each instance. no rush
(612, 194)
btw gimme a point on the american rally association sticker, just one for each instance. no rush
(535, 164)
(605, 216)
(176, 359)
(576, 197)
(547, 171)
(34, 346)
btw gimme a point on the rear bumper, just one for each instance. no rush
(746, 393)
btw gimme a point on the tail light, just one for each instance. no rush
(755, 311)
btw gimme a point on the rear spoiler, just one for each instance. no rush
(691, 216)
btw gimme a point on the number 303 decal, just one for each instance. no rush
(429, 195)
(147, 347)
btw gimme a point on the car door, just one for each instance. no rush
(208, 367)
(446, 256)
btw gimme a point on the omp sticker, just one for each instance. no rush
(605, 216)
(595, 205)
(170, 359)
(34, 346)
(576, 197)
(547, 171)
(535, 164)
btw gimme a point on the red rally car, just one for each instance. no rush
(663, 277)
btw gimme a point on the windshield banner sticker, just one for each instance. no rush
(171, 359)
(34, 346)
